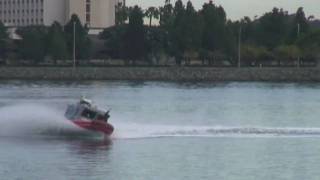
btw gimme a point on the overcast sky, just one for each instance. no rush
(236, 9)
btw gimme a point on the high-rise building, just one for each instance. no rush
(94, 13)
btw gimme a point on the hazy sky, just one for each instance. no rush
(236, 9)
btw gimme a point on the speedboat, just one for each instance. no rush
(88, 116)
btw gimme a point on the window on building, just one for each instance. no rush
(88, 11)
(88, 18)
(88, 8)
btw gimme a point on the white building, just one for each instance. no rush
(95, 13)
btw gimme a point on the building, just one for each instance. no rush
(97, 14)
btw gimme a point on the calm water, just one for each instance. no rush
(163, 131)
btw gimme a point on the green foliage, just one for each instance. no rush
(272, 28)
(310, 45)
(121, 15)
(299, 26)
(38, 42)
(311, 53)
(248, 29)
(3, 40)
(152, 12)
(155, 40)
(194, 28)
(82, 41)
(214, 33)
(288, 52)
(178, 31)
(57, 46)
(312, 38)
(33, 43)
(251, 54)
(3, 31)
(115, 41)
(135, 35)
(183, 32)
(166, 16)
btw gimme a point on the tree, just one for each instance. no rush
(156, 43)
(135, 35)
(178, 32)
(288, 52)
(184, 32)
(231, 41)
(272, 28)
(254, 54)
(3, 40)
(301, 19)
(312, 38)
(33, 43)
(166, 24)
(311, 53)
(299, 26)
(115, 40)
(166, 15)
(214, 33)
(247, 30)
(310, 45)
(121, 14)
(83, 43)
(152, 12)
(193, 27)
(57, 46)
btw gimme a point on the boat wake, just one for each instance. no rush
(30, 120)
(126, 131)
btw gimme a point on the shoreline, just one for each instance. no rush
(175, 74)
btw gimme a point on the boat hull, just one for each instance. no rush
(97, 126)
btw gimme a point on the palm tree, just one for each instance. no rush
(122, 13)
(152, 12)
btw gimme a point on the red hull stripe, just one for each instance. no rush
(103, 127)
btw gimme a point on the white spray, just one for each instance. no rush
(33, 119)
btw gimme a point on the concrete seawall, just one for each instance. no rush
(162, 74)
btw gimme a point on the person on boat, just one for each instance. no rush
(103, 117)
(107, 115)
(84, 101)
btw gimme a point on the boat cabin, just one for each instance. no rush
(85, 111)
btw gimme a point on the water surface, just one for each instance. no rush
(163, 131)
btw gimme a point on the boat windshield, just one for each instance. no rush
(71, 112)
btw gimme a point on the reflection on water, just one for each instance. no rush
(87, 158)
(89, 147)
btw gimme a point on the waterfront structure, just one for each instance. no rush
(95, 13)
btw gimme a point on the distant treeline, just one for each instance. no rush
(176, 31)
(39, 44)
